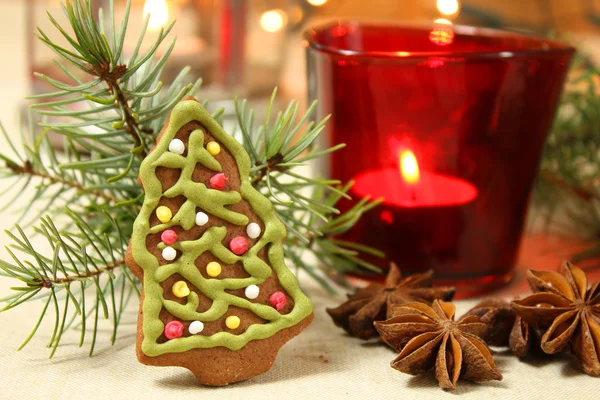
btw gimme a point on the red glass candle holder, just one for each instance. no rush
(447, 125)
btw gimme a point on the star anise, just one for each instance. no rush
(429, 337)
(567, 311)
(373, 302)
(498, 315)
(506, 328)
(524, 339)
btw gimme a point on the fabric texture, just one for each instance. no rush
(323, 362)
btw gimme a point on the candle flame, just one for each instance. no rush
(409, 167)
(159, 13)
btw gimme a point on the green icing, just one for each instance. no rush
(214, 203)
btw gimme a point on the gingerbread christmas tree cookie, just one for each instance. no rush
(217, 296)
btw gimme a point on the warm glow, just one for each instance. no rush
(447, 7)
(316, 2)
(409, 168)
(441, 22)
(296, 15)
(159, 13)
(272, 21)
(442, 33)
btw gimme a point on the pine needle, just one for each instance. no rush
(89, 194)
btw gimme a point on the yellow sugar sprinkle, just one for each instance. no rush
(164, 214)
(181, 289)
(213, 269)
(213, 148)
(232, 321)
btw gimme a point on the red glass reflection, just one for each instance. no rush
(442, 33)
(475, 112)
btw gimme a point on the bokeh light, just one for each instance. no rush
(159, 13)
(273, 20)
(448, 7)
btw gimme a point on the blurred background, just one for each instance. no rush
(246, 47)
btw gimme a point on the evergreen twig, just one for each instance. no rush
(27, 169)
(89, 194)
(569, 175)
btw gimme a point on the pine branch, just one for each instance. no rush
(124, 104)
(313, 220)
(119, 112)
(582, 192)
(81, 261)
(27, 169)
(48, 282)
(123, 98)
(130, 124)
(270, 165)
(570, 169)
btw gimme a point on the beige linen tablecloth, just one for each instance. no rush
(322, 363)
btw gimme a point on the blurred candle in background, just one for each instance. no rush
(232, 45)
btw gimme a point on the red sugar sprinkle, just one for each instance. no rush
(218, 181)
(278, 300)
(238, 245)
(174, 330)
(168, 237)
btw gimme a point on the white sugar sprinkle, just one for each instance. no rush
(176, 146)
(252, 292)
(196, 327)
(201, 218)
(253, 230)
(169, 253)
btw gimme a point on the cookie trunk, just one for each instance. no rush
(220, 366)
